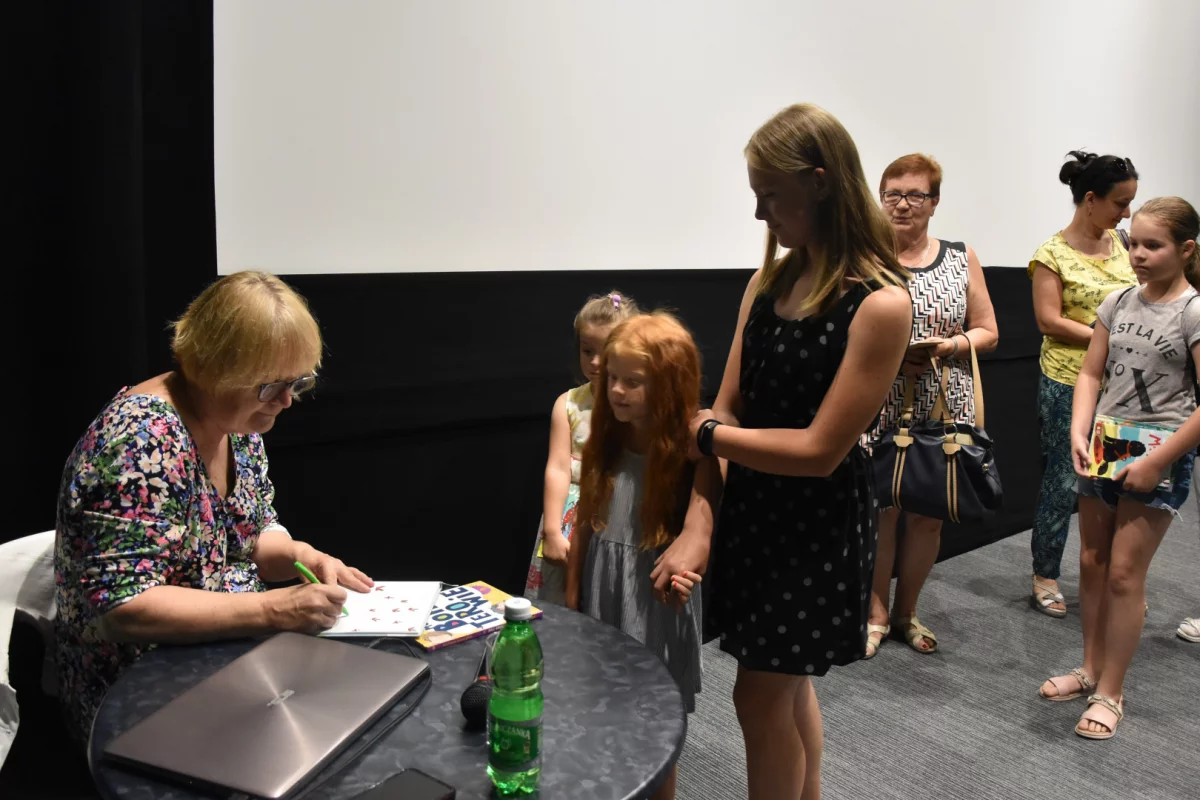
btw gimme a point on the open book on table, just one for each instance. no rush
(391, 608)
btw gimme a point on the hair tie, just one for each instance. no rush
(616, 300)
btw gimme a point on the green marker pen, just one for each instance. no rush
(308, 576)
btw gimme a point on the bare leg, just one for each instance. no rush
(918, 553)
(765, 704)
(1140, 531)
(812, 736)
(885, 554)
(667, 790)
(1097, 524)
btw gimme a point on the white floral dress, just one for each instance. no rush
(547, 581)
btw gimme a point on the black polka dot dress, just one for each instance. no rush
(794, 557)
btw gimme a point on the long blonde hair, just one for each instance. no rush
(1183, 223)
(857, 244)
(672, 362)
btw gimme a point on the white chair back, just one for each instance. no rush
(27, 591)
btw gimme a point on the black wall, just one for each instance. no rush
(113, 230)
(421, 452)
(424, 446)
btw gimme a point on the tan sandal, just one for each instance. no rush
(875, 636)
(1044, 597)
(1086, 684)
(913, 631)
(1102, 710)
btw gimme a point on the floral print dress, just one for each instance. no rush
(136, 509)
(546, 581)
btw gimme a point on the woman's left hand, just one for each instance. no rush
(702, 416)
(330, 570)
(1141, 476)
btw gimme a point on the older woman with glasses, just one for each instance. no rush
(165, 528)
(950, 304)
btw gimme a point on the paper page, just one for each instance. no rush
(391, 608)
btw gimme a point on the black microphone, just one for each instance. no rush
(474, 701)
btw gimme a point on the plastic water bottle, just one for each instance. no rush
(515, 709)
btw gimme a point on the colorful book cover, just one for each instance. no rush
(465, 612)
(1117, 443)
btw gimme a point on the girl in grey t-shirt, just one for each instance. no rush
(1140, 367)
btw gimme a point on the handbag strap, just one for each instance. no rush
(908, 412)
(910, 399)
(940, 402)
(978, 383)
(941, 408)
(944, 376)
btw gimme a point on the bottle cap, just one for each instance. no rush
(518, 609)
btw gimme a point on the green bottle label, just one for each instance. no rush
(514, 746)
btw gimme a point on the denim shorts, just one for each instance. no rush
(1167, 499)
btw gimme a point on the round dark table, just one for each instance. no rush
(614, 722)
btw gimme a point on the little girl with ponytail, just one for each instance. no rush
(1138, 378)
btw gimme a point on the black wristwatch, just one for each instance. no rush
(704, 436)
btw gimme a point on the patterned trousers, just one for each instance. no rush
(1056, 500)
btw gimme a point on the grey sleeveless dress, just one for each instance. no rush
(616, 587)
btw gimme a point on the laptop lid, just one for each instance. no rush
(267, 721)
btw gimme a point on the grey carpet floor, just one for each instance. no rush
(967, 722)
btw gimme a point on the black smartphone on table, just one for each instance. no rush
(412, 784)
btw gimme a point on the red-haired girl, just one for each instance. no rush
(633, 498)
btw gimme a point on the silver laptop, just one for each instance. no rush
(266, 722)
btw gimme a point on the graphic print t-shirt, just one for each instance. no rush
(1147, 378)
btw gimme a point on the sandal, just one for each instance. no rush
(1103, 710)
(873, 641)
(1086, 684)
(913, 631)
(1045, 596)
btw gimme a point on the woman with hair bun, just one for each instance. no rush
(1072, 272)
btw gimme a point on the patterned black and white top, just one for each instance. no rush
(939, 298)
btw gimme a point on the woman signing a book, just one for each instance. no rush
(1134, 432)
(167, 530)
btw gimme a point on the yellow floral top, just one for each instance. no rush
(1086, 282)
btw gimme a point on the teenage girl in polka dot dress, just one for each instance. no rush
(821, 335)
